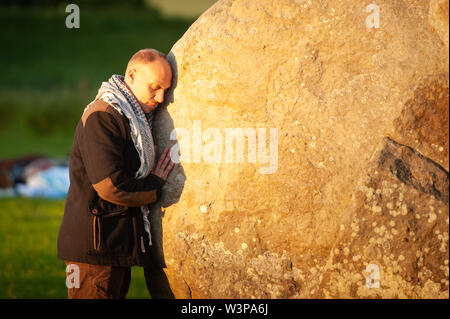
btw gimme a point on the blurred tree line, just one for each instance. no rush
(50, 72)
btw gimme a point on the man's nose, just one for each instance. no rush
(160, 97)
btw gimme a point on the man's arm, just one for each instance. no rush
(102, 148)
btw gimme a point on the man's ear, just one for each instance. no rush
(131, 75)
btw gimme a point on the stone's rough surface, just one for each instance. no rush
(438, 19)
(361, 179)
(424, 120)
(399, 223)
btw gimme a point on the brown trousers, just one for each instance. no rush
(107, 282)
(100, 282)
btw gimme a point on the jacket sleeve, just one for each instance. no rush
(102, 149)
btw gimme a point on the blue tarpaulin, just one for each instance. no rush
(52, 183)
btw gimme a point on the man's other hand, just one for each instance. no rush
(164, 165)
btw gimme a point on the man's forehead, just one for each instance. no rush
(159, 73)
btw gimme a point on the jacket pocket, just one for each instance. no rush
(102, 208)
(111, 230)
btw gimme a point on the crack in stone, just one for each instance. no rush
(412, 168)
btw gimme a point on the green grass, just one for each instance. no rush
(45, 127)
(29, 267)
(23, 142)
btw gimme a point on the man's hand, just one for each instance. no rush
(164, 165)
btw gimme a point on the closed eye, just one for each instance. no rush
(158, 87)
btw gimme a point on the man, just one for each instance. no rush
(114, 176)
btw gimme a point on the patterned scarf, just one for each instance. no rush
(116, 93)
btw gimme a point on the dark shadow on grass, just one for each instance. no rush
(156, 278)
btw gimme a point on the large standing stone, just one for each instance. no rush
(359, 190)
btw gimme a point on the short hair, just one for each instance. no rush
(145, 56)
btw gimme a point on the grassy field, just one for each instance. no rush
(49, 74)
(29, 268)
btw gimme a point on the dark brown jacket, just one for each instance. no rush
(102, 222)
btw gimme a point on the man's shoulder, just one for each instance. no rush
(99, 106)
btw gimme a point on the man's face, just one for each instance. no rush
(149, 82)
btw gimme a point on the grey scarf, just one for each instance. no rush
(116, 93)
